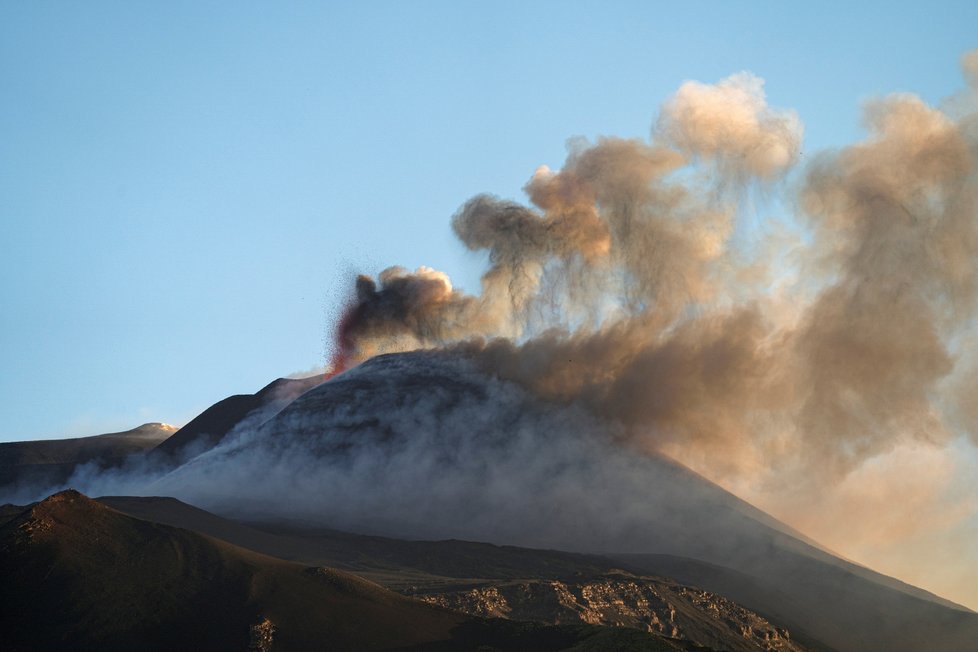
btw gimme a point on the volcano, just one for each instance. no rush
(428, 446)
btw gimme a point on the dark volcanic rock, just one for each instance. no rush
(659, 606)
(79, 575)
(212, 425)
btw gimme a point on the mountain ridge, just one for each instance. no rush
(46, 463)
(120, 583)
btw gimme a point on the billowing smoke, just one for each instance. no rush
(897, 222)
(621, 288)
(730, 124)
(403, 311)
(641, 284)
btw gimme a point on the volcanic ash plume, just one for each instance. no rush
(730, 123)
(897, 222)
(638, 284)
(402, 311)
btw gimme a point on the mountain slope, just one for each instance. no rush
(77, 574)
(826, 601)
(213, 424)
(500, 581)
(52, 461)
(425, 445)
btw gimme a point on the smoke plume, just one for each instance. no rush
(620, 287)
(636, 284)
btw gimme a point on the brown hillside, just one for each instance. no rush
(79, 575)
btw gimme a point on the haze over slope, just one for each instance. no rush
(43, 463)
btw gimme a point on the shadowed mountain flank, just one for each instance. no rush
(496, 581)
(52, 461)
(213, 424)
(120, 583)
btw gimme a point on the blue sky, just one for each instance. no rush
(186, 191)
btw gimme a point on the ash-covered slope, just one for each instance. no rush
(425, 445)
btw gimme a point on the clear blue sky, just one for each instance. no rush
(186, 190)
